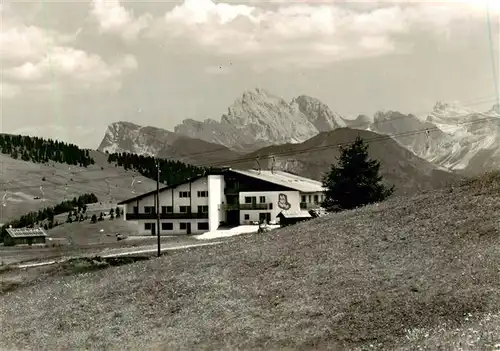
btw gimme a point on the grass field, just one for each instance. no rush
(410, 273)
(22, 181)
(84, 238)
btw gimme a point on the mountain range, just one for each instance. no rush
(450, 138)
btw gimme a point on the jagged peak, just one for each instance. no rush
(307, 98)
(450, 106)
(381, 115)
(258, 94)
(123, 124)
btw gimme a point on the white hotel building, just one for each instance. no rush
(229, 198)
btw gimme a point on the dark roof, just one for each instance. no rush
(25, 232)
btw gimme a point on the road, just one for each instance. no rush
(141, 250)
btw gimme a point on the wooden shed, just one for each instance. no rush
(289, 218)
(24, 236)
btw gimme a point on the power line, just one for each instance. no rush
(471, 102)
(367, 141)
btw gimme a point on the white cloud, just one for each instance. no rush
(69, 63)
(21, 42)
(303, 34)
(114, 18)
(34, 58)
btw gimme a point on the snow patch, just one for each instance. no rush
(226, 233)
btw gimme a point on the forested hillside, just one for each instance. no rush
(171, 172)
(39, 150)
(34, 218)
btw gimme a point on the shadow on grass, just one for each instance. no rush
(11, 280)
(90, 264)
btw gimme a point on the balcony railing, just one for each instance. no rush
(184, 215)
(255, 206)
(229, 207)
(233, 207)
(309, 205)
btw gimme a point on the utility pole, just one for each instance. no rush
(158, 205)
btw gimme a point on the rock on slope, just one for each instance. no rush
(411, 133)
(458, 139)
(132, 138)
(313, 158)
(475, 135)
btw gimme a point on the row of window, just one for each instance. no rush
(203, 193)
(264, 216)
(316, 198)
(170, 209)
(253, 199)
(170, 226)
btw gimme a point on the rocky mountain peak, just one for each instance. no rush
(451, 109)
(318, 113)
(268, 118)
(130, 137)
(382, 115)
(256, 94)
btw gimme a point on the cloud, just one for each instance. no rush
(303, 34)
(34, 58)
(115, 19)
(70, 63)
(23, 42)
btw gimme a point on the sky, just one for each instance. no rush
(70, 68)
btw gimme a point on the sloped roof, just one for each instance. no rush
(304, 185)
(299, 214)
(25, 232)
(291, 181)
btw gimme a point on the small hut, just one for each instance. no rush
(288, 218)
(26, 236)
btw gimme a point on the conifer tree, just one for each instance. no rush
(355, 180)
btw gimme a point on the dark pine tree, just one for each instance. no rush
(355, 180)
(40, 150)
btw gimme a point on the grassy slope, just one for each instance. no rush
(27, 177)
(399, 166)
(408, 267)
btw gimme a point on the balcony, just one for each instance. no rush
(309, 205)
(247, 207)
(256, 206)
(186, 215)
(229, 207)
(231, 191)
